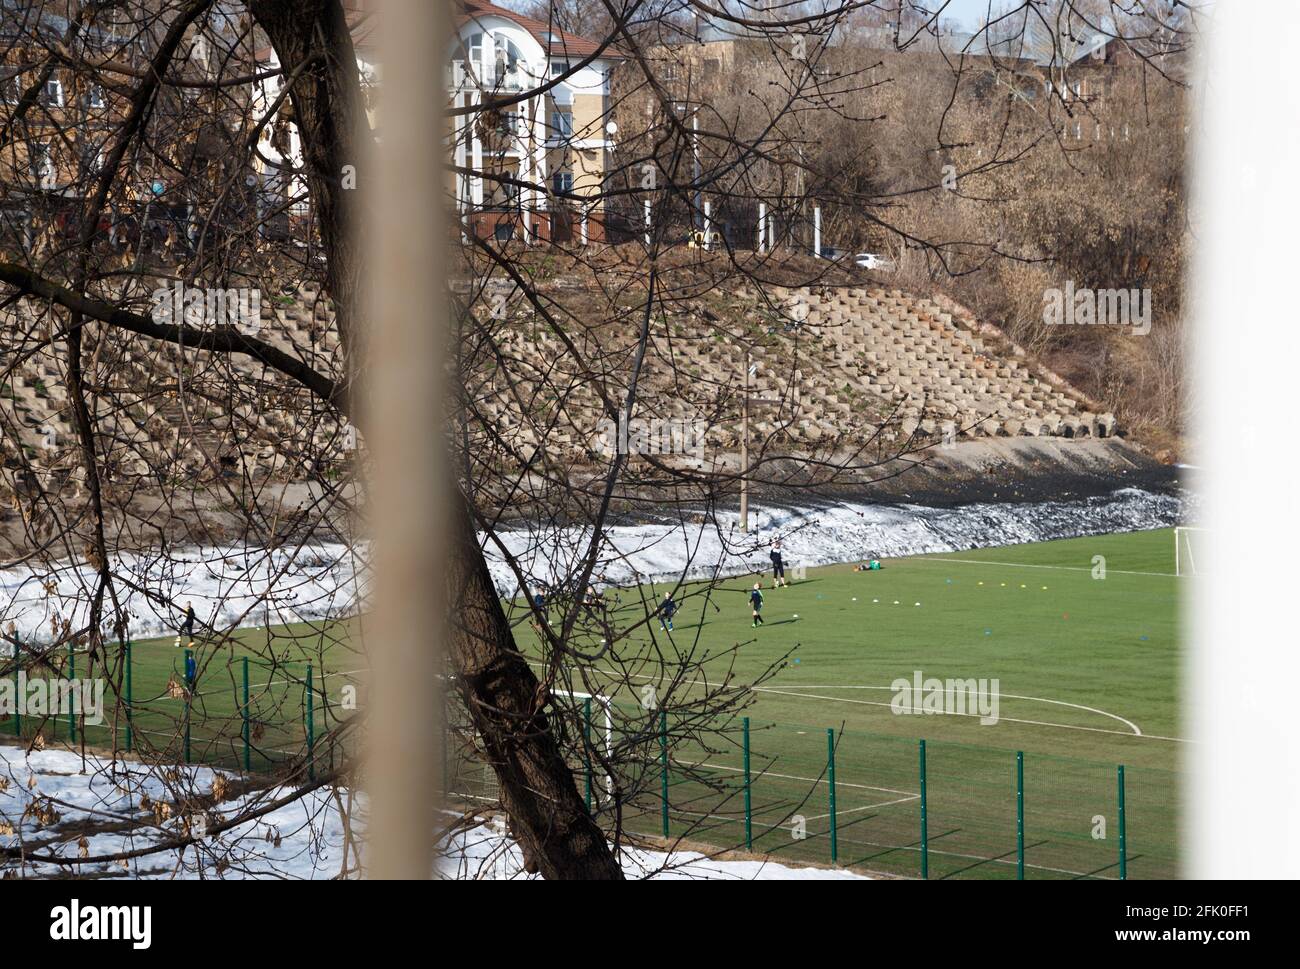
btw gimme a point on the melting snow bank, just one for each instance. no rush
(228, 585)
(486, 852)
(829, 534)
(304, 839)
(249, 586)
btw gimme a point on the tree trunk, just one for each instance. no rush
(549, 818)
(504, 698)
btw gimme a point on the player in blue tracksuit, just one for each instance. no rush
(666, 610)
(756, 600)
(539, 604)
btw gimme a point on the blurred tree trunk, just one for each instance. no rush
(549, 818)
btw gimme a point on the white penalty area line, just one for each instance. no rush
(1055, 568)
(1134, 732)
(758, 776)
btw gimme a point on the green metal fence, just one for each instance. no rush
(877, 803)
(224, 710)
(795, 792)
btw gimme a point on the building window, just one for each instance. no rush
(562, 124)
(559, 67)
(511, 125)
(96, 96)
(54, 92)
(563, 181)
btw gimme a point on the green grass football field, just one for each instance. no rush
(1087, 672)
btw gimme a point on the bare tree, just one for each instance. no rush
(627, 340)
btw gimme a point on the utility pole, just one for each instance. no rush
(750, 370)
(744, 451)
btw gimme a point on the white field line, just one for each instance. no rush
(961, 854)
(1010, 696)
(877, 844)
(874, 844)
(866, 807)
(1136, 731)
(1001, 719)
(807, 817)
(759, 775)
(1024, 565)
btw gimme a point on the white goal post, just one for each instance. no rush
(609, 726)
(1185, 548)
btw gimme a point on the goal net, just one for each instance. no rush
(1190, 556)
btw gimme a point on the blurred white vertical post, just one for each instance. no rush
(524, 146)
(1245, 787)
(817, 232)
(647, 223)
(762, 227)
(708, 227)
(410, 494)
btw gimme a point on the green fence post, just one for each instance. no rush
(749, 813)
(586, 745)
(130, 729)
(189, 696)
(311, 730)
(1020, 815)
(72, 675)
(117, 691)
(663, 760)
(244, 713)
(1123, 834)
(830, 777)
(925, 836)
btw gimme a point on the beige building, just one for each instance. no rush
(534, 167)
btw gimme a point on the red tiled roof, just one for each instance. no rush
(561, 44)
(361, 22)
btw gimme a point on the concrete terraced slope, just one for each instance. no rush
(828, 365)
(163, 412)
(934, 363)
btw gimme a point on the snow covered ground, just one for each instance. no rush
(304, 839)
(301, 840)
(833, 533)
(248, 586)
(229, 586)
